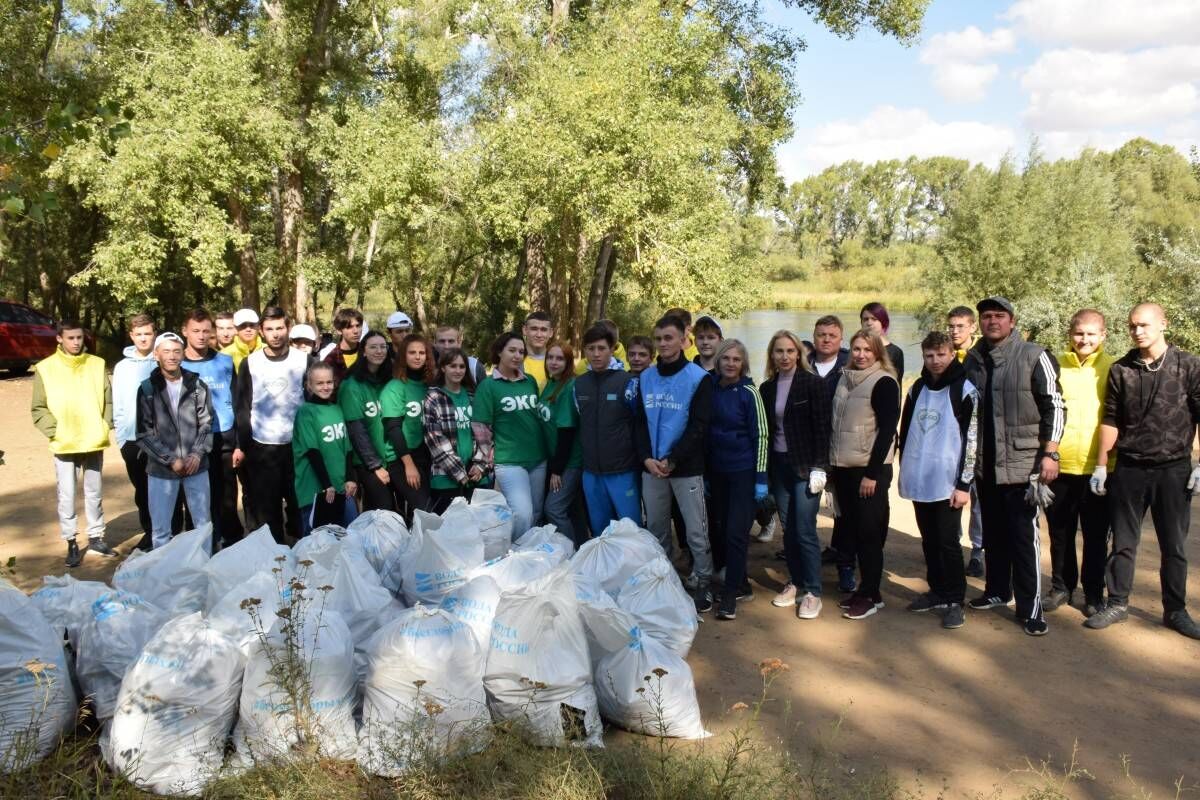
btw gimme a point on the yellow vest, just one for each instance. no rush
(74, 387)
(237, 350)
(1083, 387)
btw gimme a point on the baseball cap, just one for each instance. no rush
(167, 336)
(398, 319)
(303, 331)
(995, 303)
(707, 320)
(245, 316)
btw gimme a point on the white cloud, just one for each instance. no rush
(954, 56)
(1067, 144)
(1108, 24)
(1079, 89)
(890, 132)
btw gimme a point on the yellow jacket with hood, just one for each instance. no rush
(1083, 384)
(238, 350)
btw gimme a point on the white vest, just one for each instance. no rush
(929, 460)
(278, 393)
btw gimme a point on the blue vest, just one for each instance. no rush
(217, 373)
(668, 402)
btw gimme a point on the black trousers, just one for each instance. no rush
(223, 493)
(940, 527)
(409, 499)
(1161, 489)
(1075, 507)
(269, 476)
(732, 508)
(866, 523)
(1012, 546)
(135, 468)
(374, 493)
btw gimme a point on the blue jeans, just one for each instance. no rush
(349, 514)
(525, 492)
(163, 492)
(612, 497)
(564, 510)
(801, 547)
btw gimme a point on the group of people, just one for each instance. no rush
(671, 431)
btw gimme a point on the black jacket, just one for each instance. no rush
(165, 436)
(807, 420)
(1155, 408)
(835, 374)
(607, 403)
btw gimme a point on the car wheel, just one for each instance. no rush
(17, 370)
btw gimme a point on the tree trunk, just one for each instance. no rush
(518, 282)
(608, 276)
(535, 261)
(291, 208)
(367, 259)
(414, 272)
(598, 293)
(247, 260)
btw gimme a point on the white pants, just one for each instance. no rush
(66, 470)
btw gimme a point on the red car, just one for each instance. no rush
(26, 336)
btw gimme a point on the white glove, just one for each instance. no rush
(1099, 476)
(816, 481)
(1194, 481)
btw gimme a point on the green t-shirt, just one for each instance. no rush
(563, 414)
(322, 427)
(516, 418)
(465, 444)
(360, 401)
(406, 399)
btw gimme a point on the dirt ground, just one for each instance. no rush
(966, 707)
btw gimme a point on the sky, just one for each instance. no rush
(986, 76)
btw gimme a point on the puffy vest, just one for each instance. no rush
(74, 388)
(1083, 387)
(606, 413)
(278, 393)
(854, 424)
(667, 401)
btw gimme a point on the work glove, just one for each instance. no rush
(1194, 481)
(816, 481)
(1099, 478)
(1038, 493)
(832, 501)
(760, 492)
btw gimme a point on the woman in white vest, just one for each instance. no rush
(937, 467)
(866, 409)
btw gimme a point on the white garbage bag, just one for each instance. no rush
(176, 708)
(37, 701)
(662, 607)
(423, 697)
(113, 638)
(234, 614)
(495, 521)
(616, 554)
(360, 598)
(539, 675)
(646, 687)
(67, 603)
(171, 577)
(475, 604)
(607, 624)
(517, 569)
(321, 546)
(267, 726)
(547, 539)
(383, 537)
(257, 552)
(441, 554)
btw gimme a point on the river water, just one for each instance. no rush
(755, 328)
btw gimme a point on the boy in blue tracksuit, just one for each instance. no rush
(674, 405)
(737, 464)
(606, 397)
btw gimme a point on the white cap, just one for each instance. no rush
(167, 336)
(398, 319)
(303, 331)
(244, 316)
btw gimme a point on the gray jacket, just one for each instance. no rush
(165, 436)
(1027, 406)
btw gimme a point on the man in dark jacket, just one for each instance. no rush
(1151, 410)
(1021, 422)
(607, 403)
(174, 429)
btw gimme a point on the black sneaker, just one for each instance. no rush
(74, 557)
(1109, 615)
(975, 568)
(1036, 627)
(1181, 622)
(954, 617)
(927, 602)
(728, 608)
(100, 547)
(146, 543)
(1056, 599)
(746, 592)
(703, 599)
(986, 602)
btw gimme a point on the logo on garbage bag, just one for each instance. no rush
(431, 581)
(635, 638)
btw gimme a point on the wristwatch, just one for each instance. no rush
(1053, 456)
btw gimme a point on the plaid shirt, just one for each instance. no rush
(441, 437)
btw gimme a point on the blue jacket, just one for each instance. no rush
(217, 373)
(737, 431)
(127, 376)
(674, 405)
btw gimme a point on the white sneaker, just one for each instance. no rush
(786, 598)
(810, 606)
(767, 533)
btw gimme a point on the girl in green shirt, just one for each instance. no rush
(358, 396)
(509, 423)
(321, 455)
(458, 463)
(563, 506)
(402, 403)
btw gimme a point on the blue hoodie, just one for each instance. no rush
(216, 370)
(127, 376)
(737, 431)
